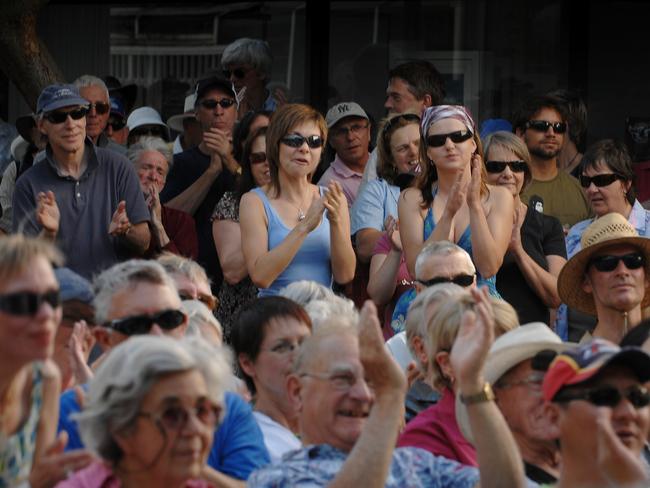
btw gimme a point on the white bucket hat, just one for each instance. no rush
(176, 121)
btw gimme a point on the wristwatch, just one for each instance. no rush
(485, 395)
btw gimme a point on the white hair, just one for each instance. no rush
(304, 291)
(90, 80)
(438, 248)
(198, 314)
(150, 143)
(333, 309)
(254, 52)
(175, 264)
(121, 275)
(132, 368)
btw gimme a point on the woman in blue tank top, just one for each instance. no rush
(291, 229)
(451, 200)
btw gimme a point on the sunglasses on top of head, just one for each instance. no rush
(141, 324)
(608, 396)
(437, 140)
(599, 180)
(297, 140)
(633, 260)
(27, 303)
(211, 104)
(543, 125)
(61, 116)
(500, 166)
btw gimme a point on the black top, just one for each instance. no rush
(187, 168)
(541, 236)
(538, 475)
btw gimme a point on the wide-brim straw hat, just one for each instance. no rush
(609, 230)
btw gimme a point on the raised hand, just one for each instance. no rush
(474, 189)
(77, 355)
(457, 196)
(153, 199)
(392, 231)
(335, 202)
(55, 465)
(473, 343)
(314, 214)
(120, 223)
(47, 212)
(515, 238)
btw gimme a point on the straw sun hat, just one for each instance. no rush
(609, 230)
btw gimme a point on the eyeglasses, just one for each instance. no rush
(354, 129)
(599, 180)
(239, 73)
(101, 108)
(437, 140)
(543, 125)
(59, 117)
(176, 417)
(297, 140)
(209, 301)
(117, 124)
(610, 263)
(258, 157)
(211, 104)
(463, 280)
(608, 396)
(27, 303)
(141, 324)
(500, 166)
(342, 381)
(534, 381)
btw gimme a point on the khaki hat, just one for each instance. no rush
(608, 230)
(508, 350)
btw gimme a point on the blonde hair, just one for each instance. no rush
(444, 325)
(17, 253)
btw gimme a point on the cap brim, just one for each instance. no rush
(571, 278)
(68, 102)
(175, 122)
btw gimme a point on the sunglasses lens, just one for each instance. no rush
(102, 108)
(559, 127)
(495, 166)
(609, 263)
(518, 166)
(460, 136)
(639, 397)
(633, 261)
(436, 140)
(57, 117)
(169, 319)
(226, 102)
(296, 140)
(257, 158)
(463, 280)
(605, 397)
(27, 303)
(209, 104)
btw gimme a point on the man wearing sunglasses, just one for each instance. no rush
(202, 174)
(95, 91)
(541, 124)
(138, 297)
(597, 406)
(608, 277)
(85, 198)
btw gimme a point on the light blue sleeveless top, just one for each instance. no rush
(311, 262)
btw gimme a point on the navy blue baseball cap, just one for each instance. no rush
(74, 287)
(58, 96)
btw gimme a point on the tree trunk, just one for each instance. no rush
(23, 57)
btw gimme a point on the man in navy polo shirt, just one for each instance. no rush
(85, 198)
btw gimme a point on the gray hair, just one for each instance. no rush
(149, 143)
(175, 264)
(121, 275)
(416, 324)
(332, 310)
(199, 314)
(121, 383)
(90, 80)
(310, 347)
(254, 52)
(438, 248)
(305, 291)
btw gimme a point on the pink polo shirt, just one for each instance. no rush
(349, 180)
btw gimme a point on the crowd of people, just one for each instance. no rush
(257, 294)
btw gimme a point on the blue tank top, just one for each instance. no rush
(311, 262)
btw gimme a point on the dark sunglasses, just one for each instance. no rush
(608, 396)
(599, 180)
(500, 166)
(296, 140)
(258, 157)
(175, 417)
(209, 301)
(211, 104)
(239, 73)
(609, 263)
(141, 324)
(437, 140)
(117, 124)
(101, 108)
(463, 280)
(543, 125)
(60, 116)
(27, 303)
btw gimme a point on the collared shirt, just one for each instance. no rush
(105, 142)
(349, 179)
(318, 465)
(86, 206)
(375, 201)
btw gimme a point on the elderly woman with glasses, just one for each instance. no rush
(265, 337)
(451, 199)
(150, 414)
(30, 312)
(237, 288)
(291, 229)
(536, 252)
